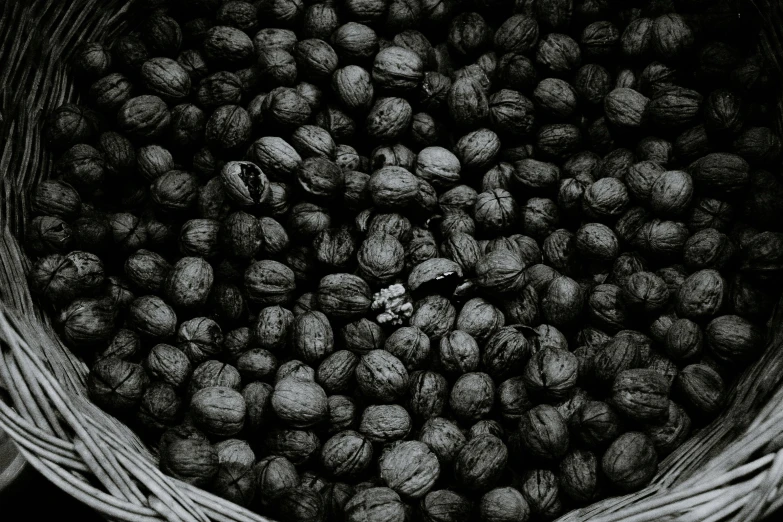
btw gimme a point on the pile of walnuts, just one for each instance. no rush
(397, 260)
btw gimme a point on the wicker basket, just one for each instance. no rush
(731, 470)
(11, 461)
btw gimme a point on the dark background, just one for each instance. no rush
(35, 498)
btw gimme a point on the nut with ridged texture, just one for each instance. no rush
(733, 339)
(630, 462)
(544, 433)
(219, 411)
(385, 423)
(299, 402)
(245, 183)
(700, 389)
(409, 468)
(117, 385)
(472, 396)
(551, 373)
(579, 475)
(189, 282)
(191, 460)
(480, 463)
(625, 107)
(375, 504)
(382, 376)
(641, 395)
(346, 454)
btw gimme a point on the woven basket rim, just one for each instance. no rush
(731, 470)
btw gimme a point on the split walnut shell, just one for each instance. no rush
(245, 183)
(432, 270)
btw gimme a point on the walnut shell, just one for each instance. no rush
(641, 394)
(631, 461)
(382, 376)
(409, 468)
(346, 454)
(219, 411)
(385, 423)
(480, 463)
(299, 402)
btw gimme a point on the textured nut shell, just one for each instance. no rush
(631, 461)
(346, 453)
(733, 339)
(480, 463)
(166, 77)
(269, 282)
(299, 402)
(375, 504)
(428, 393)
(312, 336)
(552, 373)
(472, 396)
(430, 270)
(625, 107)
(410, 468)
(579, 472)
(385, 423)
(701, 295)
(219, 411)
(344, 296)
(382, 376)
(189, 282)
(641, 394)
(192, 461)
(544, 432)
(397, 68)
(443, 437)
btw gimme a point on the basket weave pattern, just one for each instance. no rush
(731, 470)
